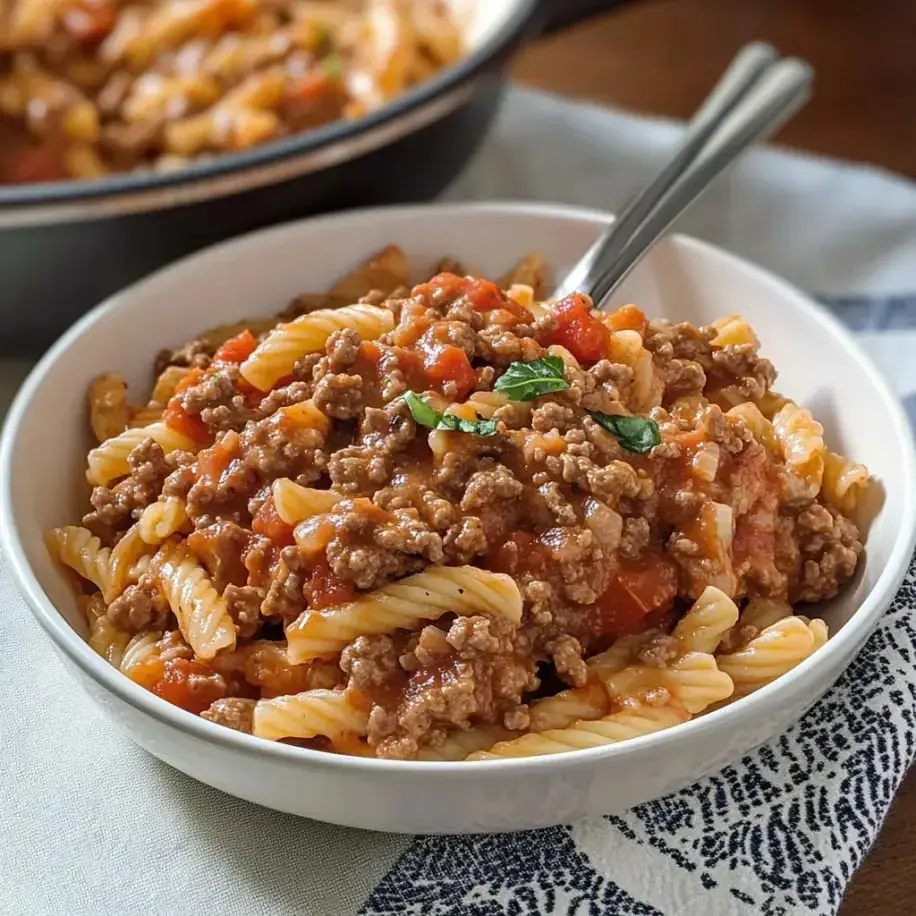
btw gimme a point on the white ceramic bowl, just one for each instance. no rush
(44, 445)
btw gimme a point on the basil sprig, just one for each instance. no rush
(428, 416)
(527, 381)
(635, 434)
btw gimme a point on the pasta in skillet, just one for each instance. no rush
(459, 522)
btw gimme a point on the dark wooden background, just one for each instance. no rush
(663, 56)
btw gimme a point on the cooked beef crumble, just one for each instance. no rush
(601, 539)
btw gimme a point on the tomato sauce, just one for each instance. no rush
(267, 522)
(195, 696)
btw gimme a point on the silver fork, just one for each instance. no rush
(756, 94)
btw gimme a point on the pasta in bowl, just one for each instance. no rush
(454, 521)
(427, 530)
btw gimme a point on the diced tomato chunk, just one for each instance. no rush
(211, 462)
(369, 350)
(637, 591)
(236, 349)
(267, 521)
(584, 335)
(176, 417)
(177, 687)
(324, 589)
(441, 288)
(447, 363)
(627, 318)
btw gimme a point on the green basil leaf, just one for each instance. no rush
(636, 434)
(527, 381)
(429, 417)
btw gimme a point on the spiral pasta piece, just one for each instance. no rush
(108, 640)
(83, 552)
(694, 680)
(201, 612)
(161, 519)
(108, 461)
(777, 650)
(328, 713)
(802, 441)
(295, 503)
(459, 744)
(844, 482)
(701, 629)
(278, 353)
(462, 590)
(620, 726)
(125, 563)
(107, 398)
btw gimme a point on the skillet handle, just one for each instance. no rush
(560, 14)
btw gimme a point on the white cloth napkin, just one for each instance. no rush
(93, 825)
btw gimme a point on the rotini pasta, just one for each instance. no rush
(701, 629)
(776, 651)
(802, 440)
(462, 590)
(844, 481)
(108, 414)
(201, 612)
(161, 519)
(278, 353)
(328, 713)
(108, 461)
(620, 726)
(295, 503)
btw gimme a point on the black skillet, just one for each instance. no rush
(65, 246)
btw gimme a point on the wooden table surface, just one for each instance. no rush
(663, 56)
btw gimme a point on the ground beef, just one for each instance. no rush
(196, 354)
(339, 395)
(752, 375)
(244, 605)
(370, 662)
(294, 393)
(828, 549)
(487, 487)
(115, 508)
(370, 554)
(285, 598)
(221, 548)
(218, 401)
(140, 607)
(366, 467)
(634, 538)
(484, 667)
(233, 712)
(680, 341)
(566, 652)
(464, 541)
(342, 349)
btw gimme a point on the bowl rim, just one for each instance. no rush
(45, 195)
(838, 649)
